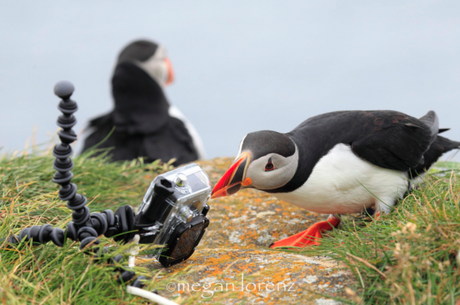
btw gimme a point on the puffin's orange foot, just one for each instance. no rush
(309, 237)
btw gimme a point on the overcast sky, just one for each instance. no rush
(240, 66)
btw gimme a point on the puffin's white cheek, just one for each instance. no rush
(270, 180)
(157, 69)
(161, 72)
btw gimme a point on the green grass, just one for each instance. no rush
(53, 275)
(410, 256)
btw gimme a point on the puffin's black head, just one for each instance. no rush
(140, 50)
(266, 160)
(151, 57)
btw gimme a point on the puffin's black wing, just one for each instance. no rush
(394, 140)
(388, 139)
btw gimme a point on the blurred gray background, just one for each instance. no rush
(240, 66)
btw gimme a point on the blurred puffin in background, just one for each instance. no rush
(337, 163)
(143, 123)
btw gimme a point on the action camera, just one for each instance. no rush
(173, 213)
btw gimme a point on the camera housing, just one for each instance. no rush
(173, 213)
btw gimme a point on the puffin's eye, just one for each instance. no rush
(269, 166)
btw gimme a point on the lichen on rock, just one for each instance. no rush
(234, 264)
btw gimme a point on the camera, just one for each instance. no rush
(173, 213)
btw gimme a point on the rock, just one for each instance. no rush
(234, 265)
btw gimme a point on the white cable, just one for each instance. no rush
(139, 291)
(149, 296)
(133, 251)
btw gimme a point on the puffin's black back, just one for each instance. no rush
(140, 104)
(388, 139)
(172, 142)
(140, 122)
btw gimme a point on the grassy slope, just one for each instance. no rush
(408, 257)
(49, 274)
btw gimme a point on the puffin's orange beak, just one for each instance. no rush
(234, 179)
(170, 71)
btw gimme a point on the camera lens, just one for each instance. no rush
(182, 243)
(187, 241)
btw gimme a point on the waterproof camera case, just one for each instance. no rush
(173, 213)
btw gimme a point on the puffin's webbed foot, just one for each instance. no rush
(309, 237)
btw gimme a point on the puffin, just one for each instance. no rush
(143, 123)
(338, 163)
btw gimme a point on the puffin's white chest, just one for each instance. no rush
(343, 183)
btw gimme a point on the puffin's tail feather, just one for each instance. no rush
(441, 130)
(431, 120)
(440, 146)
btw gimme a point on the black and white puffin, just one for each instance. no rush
(143, 123)
(337, 163)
